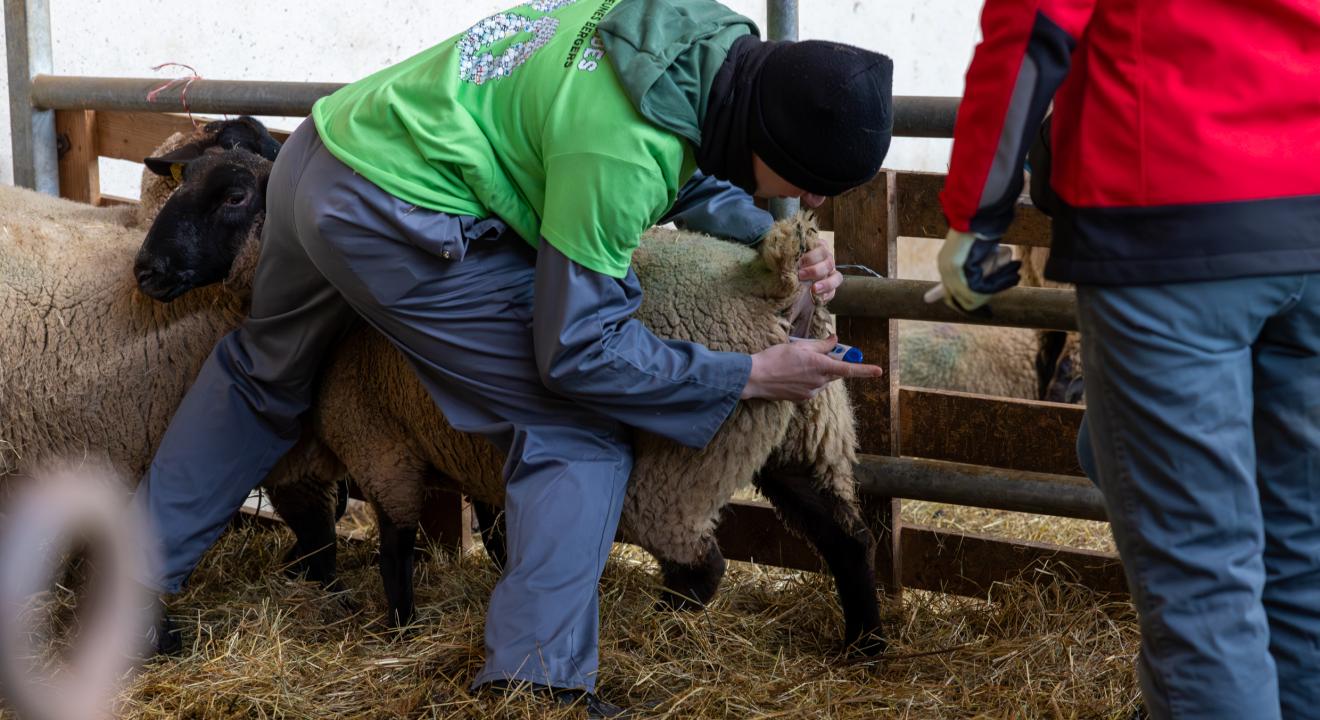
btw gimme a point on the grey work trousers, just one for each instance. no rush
(455, 295)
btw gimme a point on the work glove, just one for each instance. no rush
(973, 268)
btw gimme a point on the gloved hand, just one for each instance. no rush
(972, 269)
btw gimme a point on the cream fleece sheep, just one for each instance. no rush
(376, 416)
(379, 420)
(90, 365)
(980, 359)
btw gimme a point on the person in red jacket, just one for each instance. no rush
(1186, 164)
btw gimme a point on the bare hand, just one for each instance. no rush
(817, 267)
(800, 370)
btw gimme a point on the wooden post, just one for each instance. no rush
(446, 520)
(866, 233)
(80, 170)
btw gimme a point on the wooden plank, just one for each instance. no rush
(446, 520)
(920, 213)
(136, 135)
(752, 532)
(999, 432)
(942, 561)
(115, 201)
(79, 166)
(969, 564)
(866, 232)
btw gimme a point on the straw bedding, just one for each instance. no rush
(264, 647)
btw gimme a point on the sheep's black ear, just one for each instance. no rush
(165, 165)
(250, 134)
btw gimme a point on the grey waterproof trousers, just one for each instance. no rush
(524, 347)
(1203, 432)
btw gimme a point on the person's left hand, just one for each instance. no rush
(817, 267)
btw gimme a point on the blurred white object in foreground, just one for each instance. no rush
(55, 511)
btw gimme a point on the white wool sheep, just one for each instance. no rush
(90, 365)
(987, 360)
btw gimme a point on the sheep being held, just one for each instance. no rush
(377, 418)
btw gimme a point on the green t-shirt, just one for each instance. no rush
(521, 117)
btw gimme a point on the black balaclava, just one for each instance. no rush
(818, 113)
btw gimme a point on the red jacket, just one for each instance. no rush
(1186, 134)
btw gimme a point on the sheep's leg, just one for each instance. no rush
(307, 506)
(491, 520)
(397, 558)
(690, 587)
(835, 527)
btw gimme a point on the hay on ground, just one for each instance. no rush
(261, 646)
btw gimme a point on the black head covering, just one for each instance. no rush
(820, 114)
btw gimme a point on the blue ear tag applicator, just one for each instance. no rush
(846, 353)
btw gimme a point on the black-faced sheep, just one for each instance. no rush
(377, 418)
(90, 364)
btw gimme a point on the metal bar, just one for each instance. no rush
(231, 97)
(979, 486)
(914, 116)
(27, 33)
(925, 116)
(1037, 308)
(782, 24)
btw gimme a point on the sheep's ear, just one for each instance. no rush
(171, 163)
(248, 133)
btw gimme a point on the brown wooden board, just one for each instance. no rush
(921, 215)
(115, 201)
(969, 564)
(866, 233)
(446, 519)
(979, 430)
(135, 135)
(938, 560)
(79, 166)
(752, 532)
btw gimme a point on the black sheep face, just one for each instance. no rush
(217, 209)
(1059, 368)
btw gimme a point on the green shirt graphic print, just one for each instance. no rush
(521, 117)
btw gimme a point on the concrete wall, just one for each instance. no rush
(341, 40)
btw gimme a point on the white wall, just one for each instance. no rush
(341, 40)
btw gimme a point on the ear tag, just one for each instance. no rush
(176, 171)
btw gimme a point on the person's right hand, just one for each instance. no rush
(800, 370)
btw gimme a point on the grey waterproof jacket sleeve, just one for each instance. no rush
(590, 349)
(718, 208)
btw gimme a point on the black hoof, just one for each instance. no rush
(672, 601)
(294, 563)
(867, 645)
(691, 587)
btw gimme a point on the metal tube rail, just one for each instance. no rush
(925, 116)
(897, 299)
(230, 97)
(914, 116)
(977, 486)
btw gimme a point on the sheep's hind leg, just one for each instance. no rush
(835, 527)
(690, 587)
(397, 557)
(493, 537)
(307, 506)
